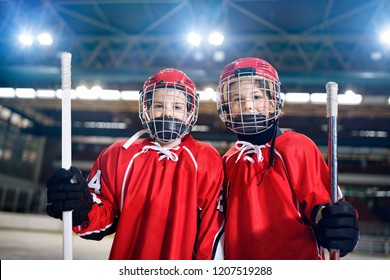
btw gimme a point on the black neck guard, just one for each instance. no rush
(262, 137)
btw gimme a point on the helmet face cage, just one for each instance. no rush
(168, 110)
(248, 100)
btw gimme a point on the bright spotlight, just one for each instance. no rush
(45, 39)
(385, 36)
(26, 39)
(216, 39)
(194, 39)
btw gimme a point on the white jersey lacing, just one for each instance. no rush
(246, 149)
(165, 152)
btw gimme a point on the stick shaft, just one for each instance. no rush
(66, 146)
(332, 111)
(332, 158)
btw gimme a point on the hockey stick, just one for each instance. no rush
(66, 145)
(332, 109)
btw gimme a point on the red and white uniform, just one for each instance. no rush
(161, 203)
(270, 220)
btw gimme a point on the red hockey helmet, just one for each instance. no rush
(170, 77)
(261, 74)
(163, 128)
(253, 65)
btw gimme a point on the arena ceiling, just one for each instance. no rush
(118, 44)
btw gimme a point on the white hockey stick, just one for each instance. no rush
(66, 145)
(332, 110)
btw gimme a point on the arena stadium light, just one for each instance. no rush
(385, 36)
(216, 39)
(72, 94)
(26, 39)
(110, 94)
(97, 90)
(297, 97)
(46, 93)
(318, 97)
(130, 95)
(82, 92)
(206, 95)
(349, 98)
(45, 39)
(25, 92)
(7, 92)
(194, 39)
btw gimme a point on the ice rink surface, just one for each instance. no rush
(35, 245)
(39, 245)
(39, 237)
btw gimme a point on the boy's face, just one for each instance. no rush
(169, 103)
(249, 97)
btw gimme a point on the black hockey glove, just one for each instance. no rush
(68, 190)
(337, 226)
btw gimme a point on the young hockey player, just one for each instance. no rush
(276, 183)
(159, 195)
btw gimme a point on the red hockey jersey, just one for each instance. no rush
(161, 203)
(268, 211)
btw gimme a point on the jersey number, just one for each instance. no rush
(94, 183)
